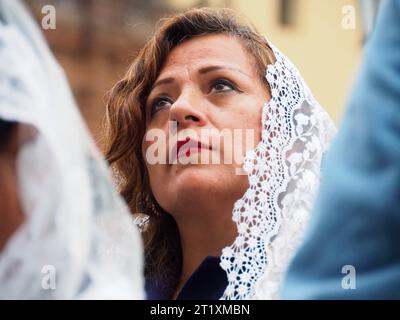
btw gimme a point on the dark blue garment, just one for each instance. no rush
(208, 282)
(356, 221)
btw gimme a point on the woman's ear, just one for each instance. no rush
(12, 145)
(19, 135)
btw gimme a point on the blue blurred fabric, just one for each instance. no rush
(356, 220)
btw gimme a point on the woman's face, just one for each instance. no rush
(208, 87)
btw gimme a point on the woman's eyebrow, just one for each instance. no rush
(213, 68)
(201, 71)
(162, 81)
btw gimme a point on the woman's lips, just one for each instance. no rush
(187, 147)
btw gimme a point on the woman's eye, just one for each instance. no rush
(222, 86)
(160, 103)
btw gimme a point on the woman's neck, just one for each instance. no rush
(201, 238)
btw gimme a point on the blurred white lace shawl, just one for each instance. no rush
(284, 174)
(76, 225)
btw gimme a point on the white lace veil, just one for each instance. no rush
(78, 239)
(284, 173)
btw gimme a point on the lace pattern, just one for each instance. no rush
(283, 172)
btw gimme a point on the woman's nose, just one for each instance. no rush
(186, 111)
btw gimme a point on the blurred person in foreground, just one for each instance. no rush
(64, 232)
(351, 250)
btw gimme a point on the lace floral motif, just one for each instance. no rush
(283, 172)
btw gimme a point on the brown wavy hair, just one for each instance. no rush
(125, 126)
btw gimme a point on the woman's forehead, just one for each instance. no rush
(208, 50)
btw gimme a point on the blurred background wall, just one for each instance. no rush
(95, 40)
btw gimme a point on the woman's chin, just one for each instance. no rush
(194, 177)
(201, 181)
